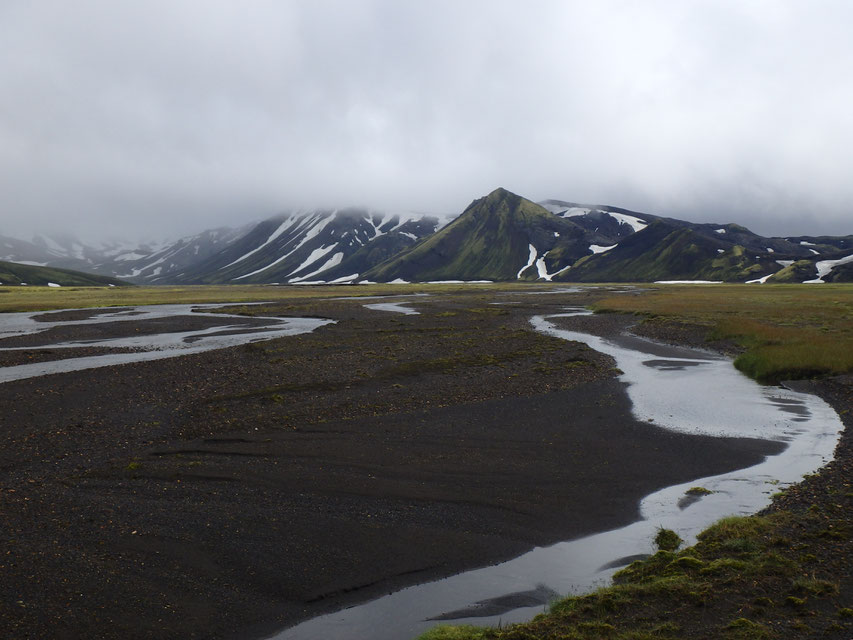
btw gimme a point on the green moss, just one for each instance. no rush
(745, 629)
(740, 545)
(722, 566)
(667, 540)
(734, 527)
(814, 586)
(794, 601)
(685, 563)
(698, 491)
(644, 569)
(446, 632)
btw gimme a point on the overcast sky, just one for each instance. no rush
(168, 117)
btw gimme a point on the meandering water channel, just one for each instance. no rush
(676, 388)
(227, 331)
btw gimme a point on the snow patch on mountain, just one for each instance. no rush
(595, 248)
(334, 261)
(530, 260)
(284, 226)
(824, 267)
(542, 268)
(760, 280)
(632, 221)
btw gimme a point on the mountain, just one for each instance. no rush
(670, 249)
(68, 252)
(163, 264)
(297, 247)
(12, 273)
(506, 237)
(320, 245)
(500, 237)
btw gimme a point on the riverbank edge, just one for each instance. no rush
(814, 515)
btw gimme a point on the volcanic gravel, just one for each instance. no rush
(230, 493)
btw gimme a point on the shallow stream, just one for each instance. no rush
(676, 388)
(149, 347)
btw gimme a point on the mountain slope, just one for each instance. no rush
(320, 245)
(670, 249)
(12, 273)
(160, 265)
(501, 236)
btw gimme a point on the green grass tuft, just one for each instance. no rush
(667, 540)
(744, 629)
(447, 632)
(735, 527)
(698, 491)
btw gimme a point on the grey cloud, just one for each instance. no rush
(176, 116)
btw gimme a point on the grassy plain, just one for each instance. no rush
(47, 298)
(786, 331)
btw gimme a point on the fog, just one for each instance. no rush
(162, 118)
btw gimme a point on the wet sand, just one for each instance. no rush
(231, 493)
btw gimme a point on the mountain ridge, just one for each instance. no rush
(15, 274)
(501, 236)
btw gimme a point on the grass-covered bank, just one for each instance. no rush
(47, 298)
(785, 331)
(784, 573)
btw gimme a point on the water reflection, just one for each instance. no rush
(227, 331)
(693, 392)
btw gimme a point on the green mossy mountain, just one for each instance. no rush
(504, 236)
(491, 240)
(666, 250)
(799, 271)
(12, 273)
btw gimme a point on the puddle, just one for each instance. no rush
(151, 347)
(680, 392)
(394, 307)
(385, 296)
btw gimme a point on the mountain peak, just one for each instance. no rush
(500, 195)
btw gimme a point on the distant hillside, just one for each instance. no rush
(499, 237)
(12, 273)
(506, 237)
(322, 245)
(671, 249)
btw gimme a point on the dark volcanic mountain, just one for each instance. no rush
(671, 249)
(324, 245)
(499, 237)
(506, 237)
(503, 237)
